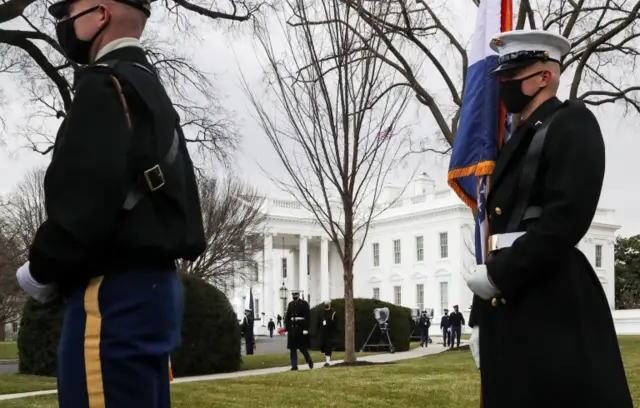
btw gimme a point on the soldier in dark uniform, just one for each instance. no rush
(535, 268)
(445, 326)
(327, 326)
(122, 205)
(247, 331)
(424, 324)
(456, 320)
(297, 326)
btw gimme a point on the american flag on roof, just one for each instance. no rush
(484, 123)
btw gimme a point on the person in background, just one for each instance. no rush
(445, 327)
(424, 324)
(279, 320)
(247, 331)
(457, 321)
(297, 327)
(327, 326)
(271, 326)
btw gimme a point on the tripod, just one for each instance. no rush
(384, 332)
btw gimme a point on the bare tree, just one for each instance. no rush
(30, 55)
(21, 213)
(233, 220)
(422, 46)
(338, 129)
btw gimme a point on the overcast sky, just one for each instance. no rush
(224, 54)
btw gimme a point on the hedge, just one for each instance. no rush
(399, 324)
(210, 334)
(38, 337)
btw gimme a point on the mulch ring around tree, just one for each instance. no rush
(358, 364)
(461, 348)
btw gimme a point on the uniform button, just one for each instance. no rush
(498, 211)
(504, 301)
(494, 302)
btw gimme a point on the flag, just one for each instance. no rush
(251, 302)
(385, 134)
(484, 123)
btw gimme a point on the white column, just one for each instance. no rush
(302, 271)
(274, 294)
(267, 276)
(324, 269)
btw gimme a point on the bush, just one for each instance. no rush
(399, 324)
(39, 336)
(210, 332)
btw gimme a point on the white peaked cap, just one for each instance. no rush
(523, 47)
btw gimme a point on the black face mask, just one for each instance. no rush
(296, 297)
(512, 96)
(76, 50)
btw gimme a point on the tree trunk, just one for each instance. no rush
(349, 314)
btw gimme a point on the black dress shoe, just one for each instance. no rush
(294, 369)
(310, 362)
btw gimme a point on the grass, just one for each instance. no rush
(8, 350)
(447, 380)
(17, 383)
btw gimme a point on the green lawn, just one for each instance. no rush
(8, 350)
(15, 383)
(447, 380)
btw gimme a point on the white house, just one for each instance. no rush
(414, 254)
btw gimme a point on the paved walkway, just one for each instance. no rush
(377, 358)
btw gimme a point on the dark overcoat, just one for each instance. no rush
(532, 354)
(297, 321)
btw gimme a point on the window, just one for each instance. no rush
(397, 295)
(444, 296)
(376, 254)
(420, 296)
(397, 255)
(444, 245)
(376, 293)
(14, 327)
(598, 256)
(256, 308)
(284, 268)
(308, 263)
(256, 273)
(419, 249)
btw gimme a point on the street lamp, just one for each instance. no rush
(283, 297)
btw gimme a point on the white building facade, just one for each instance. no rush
(415, 254)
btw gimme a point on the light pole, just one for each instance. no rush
(283, 297)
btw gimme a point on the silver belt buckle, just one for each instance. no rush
(493, 242)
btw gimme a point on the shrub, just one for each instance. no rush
(210, 332)
(39, 336)
(399, 324)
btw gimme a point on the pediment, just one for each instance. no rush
(396, 277)
(442, 272)
(374, 279)
(418, 275)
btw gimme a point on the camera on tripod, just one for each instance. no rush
(382, 317)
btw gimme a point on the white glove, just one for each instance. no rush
(41, 293)
(305, 332)
(474, 345)
(478, 282)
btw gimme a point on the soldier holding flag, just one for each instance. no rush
(541, 199)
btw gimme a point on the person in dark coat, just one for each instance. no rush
(271, 326)
(279, 320)
(122, 206)
(247, 331)
(534, 267)
(327, 328)
(424, 324)
(445, 327)
(456, 321)
(297, 323)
